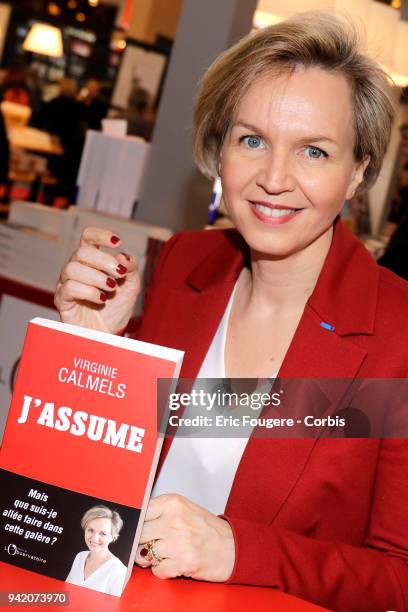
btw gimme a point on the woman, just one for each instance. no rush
(295, 120)
(97, 568)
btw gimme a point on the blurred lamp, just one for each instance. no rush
(45, 40)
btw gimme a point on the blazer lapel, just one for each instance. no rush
(342, 305)
(197, 309)
(315, 353)
(203, 312)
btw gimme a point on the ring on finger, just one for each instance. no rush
(149, 552)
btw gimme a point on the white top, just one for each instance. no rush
(203, 469)
(108, 578)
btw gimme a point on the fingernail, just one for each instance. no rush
(125, 255)
(121, 269)
(103, 297)
(111, 283)
(115, 239)
(143, 552)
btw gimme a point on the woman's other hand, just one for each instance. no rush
(191, 541)
(98, 290)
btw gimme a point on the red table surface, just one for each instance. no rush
(150, 594)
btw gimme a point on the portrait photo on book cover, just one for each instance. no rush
(80, 539)
(97, 567)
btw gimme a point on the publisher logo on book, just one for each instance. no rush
(14, 550)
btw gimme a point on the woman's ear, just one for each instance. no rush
(357, 176)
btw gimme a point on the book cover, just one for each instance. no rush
(79, 452)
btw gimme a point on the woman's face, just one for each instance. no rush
(287, 161)
(98, 535)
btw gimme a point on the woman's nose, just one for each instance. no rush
(275, 174)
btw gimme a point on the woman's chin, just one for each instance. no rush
(265, 248)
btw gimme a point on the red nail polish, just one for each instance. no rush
(103, 297)
(126, 255)
(143, 552)
(121, 269)
(111, 283)
(115, 239)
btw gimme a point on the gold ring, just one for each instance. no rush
(150, 553)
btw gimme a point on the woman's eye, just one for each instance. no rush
(315, 153)
(252, 142)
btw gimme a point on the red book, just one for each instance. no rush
(79, 453)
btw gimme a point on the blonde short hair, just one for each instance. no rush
(317, 38)
(103, 512)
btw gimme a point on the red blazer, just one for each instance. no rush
(323, 519)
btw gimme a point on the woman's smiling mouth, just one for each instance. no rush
(274, 214)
